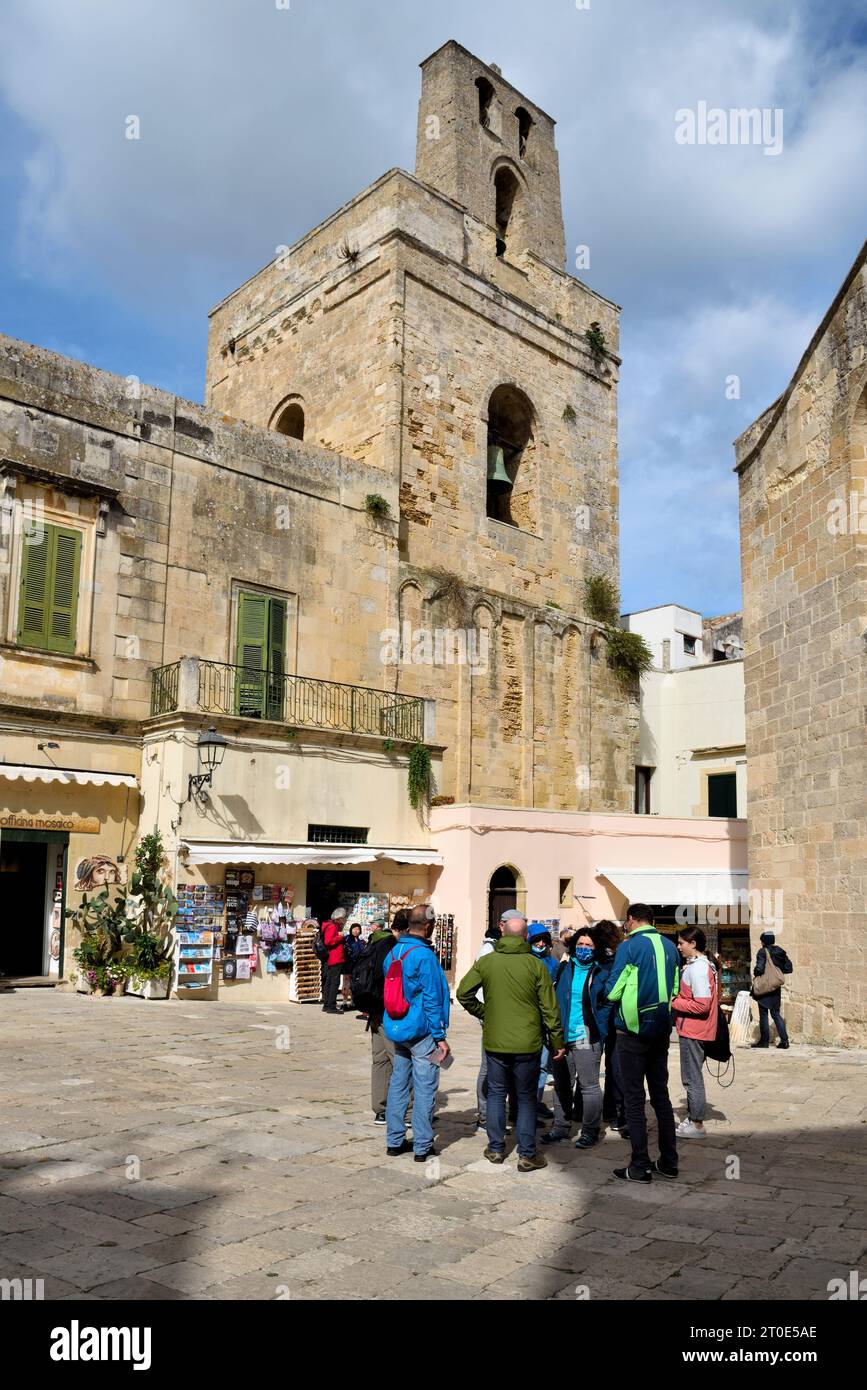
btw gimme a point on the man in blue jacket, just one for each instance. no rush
(419, 1037)
(644, 980)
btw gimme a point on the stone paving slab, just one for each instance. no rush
(259, 1174)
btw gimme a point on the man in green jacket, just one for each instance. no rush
(519, 1002)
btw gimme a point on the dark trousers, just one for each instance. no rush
(331, 986)
(646, 1059)
(612, 1096)
(771, 1004)
(521, 1071)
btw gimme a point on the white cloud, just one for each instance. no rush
(259, 122)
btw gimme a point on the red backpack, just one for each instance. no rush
(396, 1003)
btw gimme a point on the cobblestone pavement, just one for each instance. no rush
(217, 1151)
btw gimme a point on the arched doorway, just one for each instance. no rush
(505, 890)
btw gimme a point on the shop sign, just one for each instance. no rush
(81, 825)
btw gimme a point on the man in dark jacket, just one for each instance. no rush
(332, 930)
(381, 940)
(771, 1003)
(519, 1004)
(643, 982)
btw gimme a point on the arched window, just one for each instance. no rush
(290, 421)
(510, 438)
(525, 121)
(505, 889)
(505, 193)
(486, 96)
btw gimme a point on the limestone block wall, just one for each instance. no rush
(195, 507)
(805, 617)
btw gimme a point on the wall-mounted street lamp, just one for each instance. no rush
(211, 749)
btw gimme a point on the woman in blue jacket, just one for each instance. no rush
(580, 986)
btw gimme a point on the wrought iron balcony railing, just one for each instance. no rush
(250, 693)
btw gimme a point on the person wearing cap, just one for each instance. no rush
(518, 1003)
(489, 941)
(541, 944)
(332, 931)
(418, 1035)
(771, 1003)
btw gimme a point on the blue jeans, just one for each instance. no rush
(544, 1073)
(521, 1070)
(411, 1068)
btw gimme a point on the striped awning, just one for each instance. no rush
(239, 852)
(82, 777)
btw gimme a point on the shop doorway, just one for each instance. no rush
(324, 887)
(23, 870)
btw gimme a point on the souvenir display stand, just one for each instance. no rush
(197, 923)
(194, 963)
(735, 958)
(364, 908)
(444, 943)
(305, 987)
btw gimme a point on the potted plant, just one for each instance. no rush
(148, 970)
(100, 923)
(151, 909)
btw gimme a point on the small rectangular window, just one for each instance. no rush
(565, 892)
(643, 778)
(337, 834)
(689, 645)
(722, 794)
(48, 599)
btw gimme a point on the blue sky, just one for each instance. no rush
(258, 121)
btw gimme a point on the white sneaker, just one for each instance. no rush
(687, 1130)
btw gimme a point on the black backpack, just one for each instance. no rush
(719, 1050)
(319, 946)
(368, 982)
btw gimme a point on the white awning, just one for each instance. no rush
(719, 887)
(20, 772)
(235, 852)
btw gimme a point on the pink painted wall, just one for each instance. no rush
(546, 846)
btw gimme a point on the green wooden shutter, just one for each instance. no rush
(48, 602)
(251, 655)
(276, 657)
(64, 589)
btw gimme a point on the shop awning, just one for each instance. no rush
(240, 853)
(20, 772)
(720, 887)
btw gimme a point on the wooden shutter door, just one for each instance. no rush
(251, 655)
(33, 596)
(48, 603)
(63, 608)
(276, 658)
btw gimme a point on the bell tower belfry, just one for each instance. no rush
(484, 144)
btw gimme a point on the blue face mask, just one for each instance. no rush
(584, 954)
(540, 950)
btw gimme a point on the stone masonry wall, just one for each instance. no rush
(805, 630)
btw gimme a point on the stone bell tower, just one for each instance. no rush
(484, 144)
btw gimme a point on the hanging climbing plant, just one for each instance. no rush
(419, 775)
(627, 652)
(628, 655)
(375, 505)
(595, 338)
(601, 599)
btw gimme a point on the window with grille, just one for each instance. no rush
(337, 834)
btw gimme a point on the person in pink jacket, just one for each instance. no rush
(695, 1009)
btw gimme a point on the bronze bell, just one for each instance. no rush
(498, 478)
